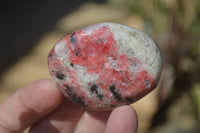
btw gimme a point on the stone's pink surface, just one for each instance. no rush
(105, 65)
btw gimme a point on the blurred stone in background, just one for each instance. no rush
(30, 29)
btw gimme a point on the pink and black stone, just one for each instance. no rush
(105, 65)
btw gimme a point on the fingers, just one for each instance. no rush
(28, 105)
(122, 120)
(41, 99)
(63, 119)
(92, 122)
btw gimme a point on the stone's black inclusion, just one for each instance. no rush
(129, 100)
(71, 64)
(78, 51)
(74, 97)
(60, 75)
(100, 96)
(73, 38)
(50, 55)
(112, 105)
(78, 100)
(116, 94)
(93, 89)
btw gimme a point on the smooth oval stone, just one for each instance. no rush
(105, 65)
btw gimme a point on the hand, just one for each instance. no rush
(41, 106)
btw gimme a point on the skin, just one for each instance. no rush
(41, 106)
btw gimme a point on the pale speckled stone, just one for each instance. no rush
(105, 65)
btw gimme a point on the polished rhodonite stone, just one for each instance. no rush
(105, 65)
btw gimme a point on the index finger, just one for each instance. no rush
(28, 105)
